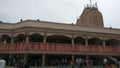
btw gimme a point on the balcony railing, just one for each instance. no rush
(60, 48)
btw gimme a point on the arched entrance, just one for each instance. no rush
(36, 37)
(20, 38)
(79, 40)
(94, 41)
(58, 39)
(5, 38)
(112, 42)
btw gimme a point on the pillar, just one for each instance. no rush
(25, 58)
(27, 40)
(12, 40)
(104, 45)
(72, 40)
(73, 58)
(104, 42)
(43, 60)
(4, 44)
(44, 40)
(86, 44)
(104, 60)
(10, 59)
(86, 41)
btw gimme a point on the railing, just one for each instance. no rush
(60, 48)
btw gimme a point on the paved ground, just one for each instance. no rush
(51, 67)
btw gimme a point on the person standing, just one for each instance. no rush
(105, 63)
(112, 66)
(2, 63)
(71, 64)
(80, 63)
(117, 63)
(87, 63)
(77, 63)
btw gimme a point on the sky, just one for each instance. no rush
(61, 11)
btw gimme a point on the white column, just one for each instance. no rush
(104, 45)
(12, 40)
(86, 44)
(73, 58)
(10, 59)
(25, 58)
(44, 39)
(72, 40)
(43, 60)
(27, 40)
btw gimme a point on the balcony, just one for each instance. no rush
(33, 47)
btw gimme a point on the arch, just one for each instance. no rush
(114, 42)
(94, 41)
(36, 37)
(5, 38)
(79, 40)
(20, 38)
(58, 39)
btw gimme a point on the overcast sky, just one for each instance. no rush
(63, 11)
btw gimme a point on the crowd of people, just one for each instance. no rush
(81, 63)
(20, 64)
(113, 64)
(77, 63)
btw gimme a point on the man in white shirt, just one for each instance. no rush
(2, 63)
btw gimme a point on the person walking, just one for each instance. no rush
(77, 63)
(112, 66)
(87, 63)
(105, 63)
(71, 64)
(2, 63)
(117, 63)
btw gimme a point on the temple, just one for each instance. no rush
(91, 17)
(44, 43)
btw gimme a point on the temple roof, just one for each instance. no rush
(56, 26)
(91, 17)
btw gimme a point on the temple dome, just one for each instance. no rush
(91, 17)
